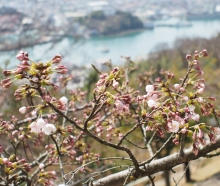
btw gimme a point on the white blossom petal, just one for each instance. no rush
(174, 126)
(64, 100)
(149, 88)
(23, 109)
(151, 103)
(49, 129)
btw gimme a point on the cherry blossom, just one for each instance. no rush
(177, 86)
(149, 88)
(151, 103)
(174, 126)
(35, 128)
(64, 100)
(195, 117)
(217, 130)
(41, 123)
(49, 129)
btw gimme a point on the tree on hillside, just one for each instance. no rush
(67, 139)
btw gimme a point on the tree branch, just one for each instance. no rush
(155, 166)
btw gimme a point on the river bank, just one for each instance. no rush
(135, 43)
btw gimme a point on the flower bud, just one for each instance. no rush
(188, 57)
(7, 72)
(203, 53)
(57, 59)
(41, 165)
(23, 110)
(115, 84)
(20, 56)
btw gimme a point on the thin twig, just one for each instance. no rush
(152, 180)
(60, 159)
(148, 161)
(177, 183)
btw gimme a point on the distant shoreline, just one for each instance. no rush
(15, 47)
(123, 33)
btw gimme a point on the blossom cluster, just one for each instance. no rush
(165, 106)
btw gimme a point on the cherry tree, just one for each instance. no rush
(59, 138)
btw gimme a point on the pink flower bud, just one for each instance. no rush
(195, 149)
(200, 134)
(34, 113)
(23, 110)
(115, 84)
(177, 86)
(20, 56)
(212, 137)
(119, 105)
(57, 59)
(204, 53)
(7, 72)
(200, 91)
(108, 135)
(182, 89)
(41, 165)
(188, 57)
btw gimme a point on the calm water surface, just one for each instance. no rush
(133, 45)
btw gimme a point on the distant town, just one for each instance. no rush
(30, 22)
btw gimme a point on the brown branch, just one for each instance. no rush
(155, 166)
(128, 151)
